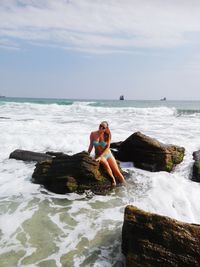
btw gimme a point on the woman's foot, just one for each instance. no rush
(124, 182)
(113, 184)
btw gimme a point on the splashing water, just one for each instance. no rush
(39, 228)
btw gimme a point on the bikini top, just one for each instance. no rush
(99, 143)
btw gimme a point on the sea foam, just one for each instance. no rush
(81, 229)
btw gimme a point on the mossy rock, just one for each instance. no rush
(169, 166)
(196, 171)
(76, 173)
(151, 240)
(148, 153)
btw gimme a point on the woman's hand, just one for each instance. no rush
(98, 159)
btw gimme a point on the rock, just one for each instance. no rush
(63, 174)
(196, 166)
(116, 145)
(196, 155)
(29, 155)
(150, 240)
(148, 153)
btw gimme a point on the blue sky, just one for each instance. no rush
(144, 49)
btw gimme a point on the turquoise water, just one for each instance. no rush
(37, 100)
(181, 105)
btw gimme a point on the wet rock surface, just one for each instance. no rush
(151, 240)
(148, 153)
(196, 166)
(64, 173)
(27, 155)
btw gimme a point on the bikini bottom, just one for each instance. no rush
(107, 155)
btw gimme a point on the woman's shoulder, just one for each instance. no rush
(92, 134)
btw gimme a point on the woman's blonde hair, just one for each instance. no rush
(107, 133)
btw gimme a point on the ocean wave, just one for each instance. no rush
(38, 101)
(4, 118)
(188, 111)
(88, 107)
(83, 103)
(64, 103)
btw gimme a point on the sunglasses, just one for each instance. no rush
(101, 126)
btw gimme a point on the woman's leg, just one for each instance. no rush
(115, 169)
(106, 165)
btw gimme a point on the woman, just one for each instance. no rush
(100, 139)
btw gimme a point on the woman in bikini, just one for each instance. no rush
(100, 139)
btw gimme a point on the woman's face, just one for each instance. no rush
(102, 126)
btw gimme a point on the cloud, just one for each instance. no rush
(8, 44)
(96, 25)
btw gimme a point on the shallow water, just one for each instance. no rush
(39, 228)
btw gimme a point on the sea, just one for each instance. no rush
(41, 228)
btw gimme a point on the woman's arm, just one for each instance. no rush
(91, 144)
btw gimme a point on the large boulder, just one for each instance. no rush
(150, 240)
(196, 166)
(79, 172)
(148, 153)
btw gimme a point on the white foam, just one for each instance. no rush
(66, 128)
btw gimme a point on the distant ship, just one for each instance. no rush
(121, 97)
(163, 99)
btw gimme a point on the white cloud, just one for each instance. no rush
(8, 44)
(92, 25)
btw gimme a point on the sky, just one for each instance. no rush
(100, 49)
